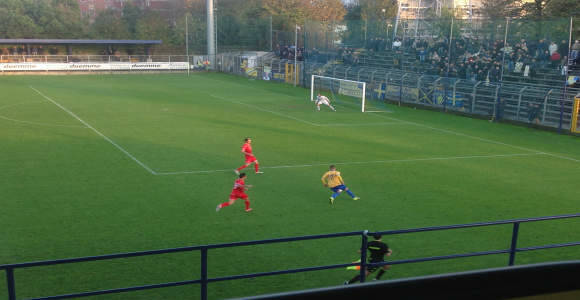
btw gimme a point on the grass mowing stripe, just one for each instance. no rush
(358, 163)
(269, 111)
(408, 122)
(479, 138)
(97, 132)
(87, 207)
(304, 121)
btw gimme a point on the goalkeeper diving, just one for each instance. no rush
(320, 99)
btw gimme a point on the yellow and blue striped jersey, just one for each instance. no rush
(332, 178)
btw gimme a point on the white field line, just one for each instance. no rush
(360, 124)
(359, 163)
(259, 108)
(450, 132)
(480, 139)
(97, 132)
(301, 120)
(34, 123)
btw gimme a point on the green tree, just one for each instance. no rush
(535, 8)
(153, 26)
(131, 16)
(15, 23)
(562, 8)
(500, 9)
(289, 12)
(109, 25)
(328, 11)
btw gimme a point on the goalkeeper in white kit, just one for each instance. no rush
(323, 100)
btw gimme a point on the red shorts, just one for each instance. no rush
(235, 195)
(250, 159)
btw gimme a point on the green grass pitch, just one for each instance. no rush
(103, 164)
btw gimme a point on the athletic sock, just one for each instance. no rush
(381, 272)
(256, 167)
(241, 168)
(225, 204)
(247, 204)
(350, 193)
(335, 195)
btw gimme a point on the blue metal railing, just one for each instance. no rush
(204, 280)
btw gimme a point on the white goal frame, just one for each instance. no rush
(364, 88)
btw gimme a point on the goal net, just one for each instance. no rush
(342, 92)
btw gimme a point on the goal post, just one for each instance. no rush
(337, 88)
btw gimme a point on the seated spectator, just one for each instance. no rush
(397, 44)
(552, 48)
(555, 59)
(575, 52)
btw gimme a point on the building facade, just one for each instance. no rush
(91, 8)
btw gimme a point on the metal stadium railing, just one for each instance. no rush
(204, 280)
(548, 104)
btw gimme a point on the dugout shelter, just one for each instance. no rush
(107, 45)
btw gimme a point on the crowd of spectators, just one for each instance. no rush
(34, 50)
(289, 52)
(473, 58)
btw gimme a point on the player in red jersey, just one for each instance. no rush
(250, 158)
(238, 192)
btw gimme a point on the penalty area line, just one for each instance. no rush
(357, 163)
(96, 131)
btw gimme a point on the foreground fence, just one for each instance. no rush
(204, 280)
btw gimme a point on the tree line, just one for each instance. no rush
(245, 23)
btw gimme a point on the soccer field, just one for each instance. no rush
(104, 164)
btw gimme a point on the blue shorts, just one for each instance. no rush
(338, 187)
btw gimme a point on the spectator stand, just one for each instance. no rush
(36, 48)
(472, 67)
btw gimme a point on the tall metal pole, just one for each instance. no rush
(448, 65)
(507, 24)
(417, 16)
(496, 111)
(566, 74)
(449, 51)
(396, 24)
(216, 28)
(210, 32)
(295, 53)
(470, 14)
(270, 33)
(187, 44)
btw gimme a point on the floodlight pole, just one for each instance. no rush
(187, 44)
(210, 32)
(216, 30)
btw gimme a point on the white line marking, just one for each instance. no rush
(361, 124)
(436, 129)
(259, 108)
(562, 157)
(97, 132)
(479, 138)
(359, 163)
(304, 121)
(34, 123)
